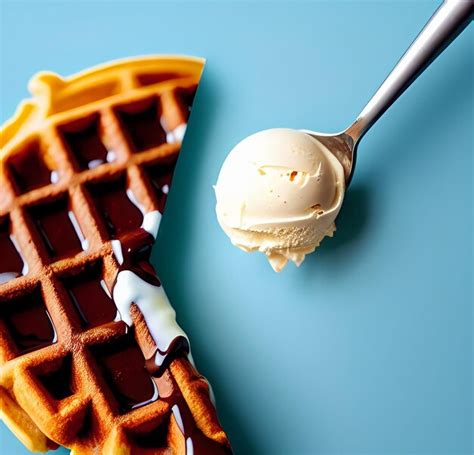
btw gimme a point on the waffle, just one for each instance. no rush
(86, 165)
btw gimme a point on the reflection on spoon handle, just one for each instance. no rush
(445, 25)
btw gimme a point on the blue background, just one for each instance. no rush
(367, 348)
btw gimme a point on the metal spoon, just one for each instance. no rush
(444, 26)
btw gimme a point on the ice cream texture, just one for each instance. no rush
(279, 192)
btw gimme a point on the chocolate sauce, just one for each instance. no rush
(143, 126)
(161, 176)
(28, 169)
(58, 382)
(87, 146)
(119, 213)
(179, 347)
(89, 294)
(11, 262)
(136, 251)
(28, 322)
(123, 366)
(56, 225)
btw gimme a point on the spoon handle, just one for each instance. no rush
(444, 26)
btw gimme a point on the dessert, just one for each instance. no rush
(91, 355)
(279, 192)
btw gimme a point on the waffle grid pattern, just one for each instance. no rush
(89, 412)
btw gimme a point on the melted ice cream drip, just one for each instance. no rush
(54, 177)
(26, 268)
(117, 249)
(179, 422)
(77, 228)
(177, 416)
(151, 220)
(159, 315)
(189, 447)
(12, 263)
(111, 156)
(136, 283)
(176, 135)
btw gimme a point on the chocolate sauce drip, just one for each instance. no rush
(161, 176)
(89, 295)
(179, 347)
(58, 382)
(28, 169)
(136, 251)
(87, 146)
(142, 125)
(119, 213)
(28, 322)
(123, 366)
(55, 227)
(11, 263)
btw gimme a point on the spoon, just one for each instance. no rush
(444, 26)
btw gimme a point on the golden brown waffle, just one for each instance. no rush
(65, 359)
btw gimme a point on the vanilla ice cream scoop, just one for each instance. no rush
(279, 192)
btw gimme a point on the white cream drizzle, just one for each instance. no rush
(179, 422)
(189, 447)
(5, 277)
(105, 288)
(94, 163)
(134, 200)
(54, 177)
(150, 400)
(25, 269)
(151, 220)
(111, 156)
(117, 249)
(177, 417)
(77, 228)
(154, 305)
(152, 301)
(176, 135)
(55, 337)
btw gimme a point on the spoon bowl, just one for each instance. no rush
(342, 146)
